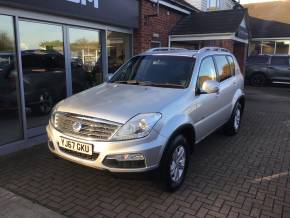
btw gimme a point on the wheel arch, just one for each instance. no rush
(242, 101)
(188, 131)
(239, 95)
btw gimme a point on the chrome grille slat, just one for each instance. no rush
(92, 128)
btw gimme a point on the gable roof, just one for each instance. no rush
(269, 29)
(226, 21)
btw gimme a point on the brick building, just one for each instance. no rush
(156, 21)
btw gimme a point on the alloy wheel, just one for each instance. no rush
(177, 165)
(45, 103)
(237, 120)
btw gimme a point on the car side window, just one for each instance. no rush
(279, 60)
(258, 60)
(232, 64)
(223, 67)
(206, 71)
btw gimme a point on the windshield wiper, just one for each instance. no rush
(148, 83)
(131, 82)
(169, 85)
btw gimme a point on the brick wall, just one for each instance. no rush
(155, 28)
(228, 44)
(241, 51)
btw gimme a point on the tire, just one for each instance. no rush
(258, 80)
(233, 126)
(171, 177)
(45, 104)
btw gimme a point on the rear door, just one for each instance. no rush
(228, 86)
(279, 68)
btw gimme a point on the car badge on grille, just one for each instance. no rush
(77, 126)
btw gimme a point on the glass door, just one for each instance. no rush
(10, 107)
(43, 66)
(85, 57)
(118, 47)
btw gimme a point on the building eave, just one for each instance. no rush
(205, 37)
(172, 6)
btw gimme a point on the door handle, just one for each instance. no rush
(270, 67)
(218, 93)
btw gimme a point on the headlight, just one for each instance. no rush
(52, 116)
(138, 127)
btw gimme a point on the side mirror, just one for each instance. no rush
(210, 86)
(109, 77)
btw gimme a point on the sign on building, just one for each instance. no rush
(84, 2)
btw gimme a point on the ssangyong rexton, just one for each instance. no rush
(151, 113)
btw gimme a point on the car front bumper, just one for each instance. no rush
(151, 147)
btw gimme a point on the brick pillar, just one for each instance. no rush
(240, 51)
(155, 28)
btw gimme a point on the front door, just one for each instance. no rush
(279, 69)
(206, 105)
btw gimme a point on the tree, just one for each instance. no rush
(6, 42)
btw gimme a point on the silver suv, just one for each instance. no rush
(151, 113)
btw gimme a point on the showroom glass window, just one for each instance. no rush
(85, 56)
(9, 87)
(213, 5)
(43, 65)
(118, 46)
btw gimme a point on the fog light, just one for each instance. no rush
(51, 145)
(128, 161)
(126, 157)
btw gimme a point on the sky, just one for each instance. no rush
(255, 1)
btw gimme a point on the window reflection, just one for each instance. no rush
(282, 47)
(255, 48)
(223, 68)
(268, 47)
(118, 50)
(9, 91)
(43, 69)
(86, 58)
(279, 47)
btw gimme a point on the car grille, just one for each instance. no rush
(91, 128)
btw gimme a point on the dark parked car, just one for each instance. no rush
(261, 69)
(44, 80)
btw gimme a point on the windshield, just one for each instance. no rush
(156, 70)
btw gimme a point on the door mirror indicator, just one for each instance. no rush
(210, 86)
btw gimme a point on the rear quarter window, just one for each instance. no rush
(280, 60)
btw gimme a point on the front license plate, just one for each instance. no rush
(76, 146)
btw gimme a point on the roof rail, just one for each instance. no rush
(165, 49)
(218, 49)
